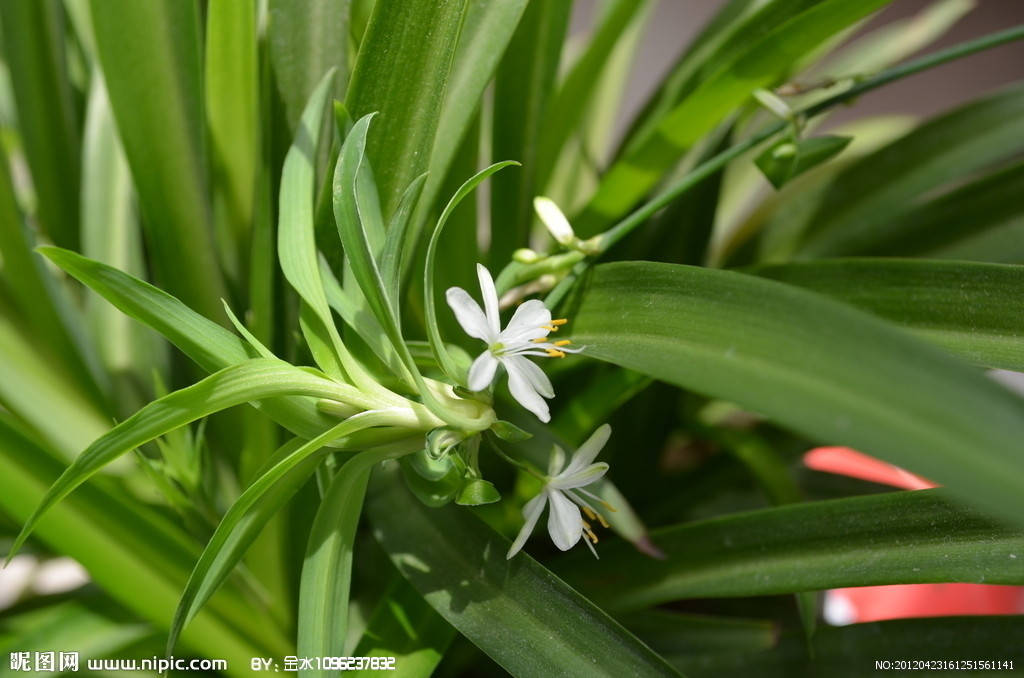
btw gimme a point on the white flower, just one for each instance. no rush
(554, 220)
(526, 334)
(564, 491)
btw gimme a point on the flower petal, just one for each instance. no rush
(538, 381)
(490, 296)
(587, 452)
(556, 461)
(528, 383)
(565, 522)
(555, 221)
(591, 474)
(481, 372)
(469, 315)
(527, 322)
(531, 512)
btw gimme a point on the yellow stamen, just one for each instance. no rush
(593, 515)
(540, 340)
(609, 507)
(563, 342)
(553, 326)
(590, 534)
(555, 353)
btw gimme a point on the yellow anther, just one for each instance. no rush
(594, 515)
(555, 353)
(540, 340)
(553, 326)
(590, 534)
(563, 342)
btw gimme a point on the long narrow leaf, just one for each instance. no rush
(488, 28)
(960, 306)
(524, 85)
(813, 365)
(307, 40)
(401, 72)
(252, 380)
(34, 52)
(202, 340)
(108, 534)
(756, 65)
(327, 568)
(280, 479)
(880, 647)
(892, 538)
(505, 605)
(232, 110)
(150, 56)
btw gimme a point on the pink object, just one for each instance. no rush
(846, 462)
(875, 603)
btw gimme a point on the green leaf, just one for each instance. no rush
(232, 108)
(953, 223)
(359, 319)
(357, 214)
(893, 538)
(202, 340)
(734, 28)
(401, 71)
(278, 481)
(962, 307)
(327, 568)
(111, 234)
(308, 40)
(441, 353)
(892, 42)
(110, 534)
(404, 626)
(758, 64)
(48, 118)
(857, 210)
(678, 636)
(94, 626)
(150, 56)
(296, 241)
(852, 651)
(40, 306)
(523, 87)
(567, 108)
(789, 159)
(458, 565)
(252, 380)
(396, 241)
(485, 35)
(43, 396)
(813, 365)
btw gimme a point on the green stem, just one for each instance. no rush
(642, 214)
(518, 464)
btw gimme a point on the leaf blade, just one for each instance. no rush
(822, 368)
(437, 549)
